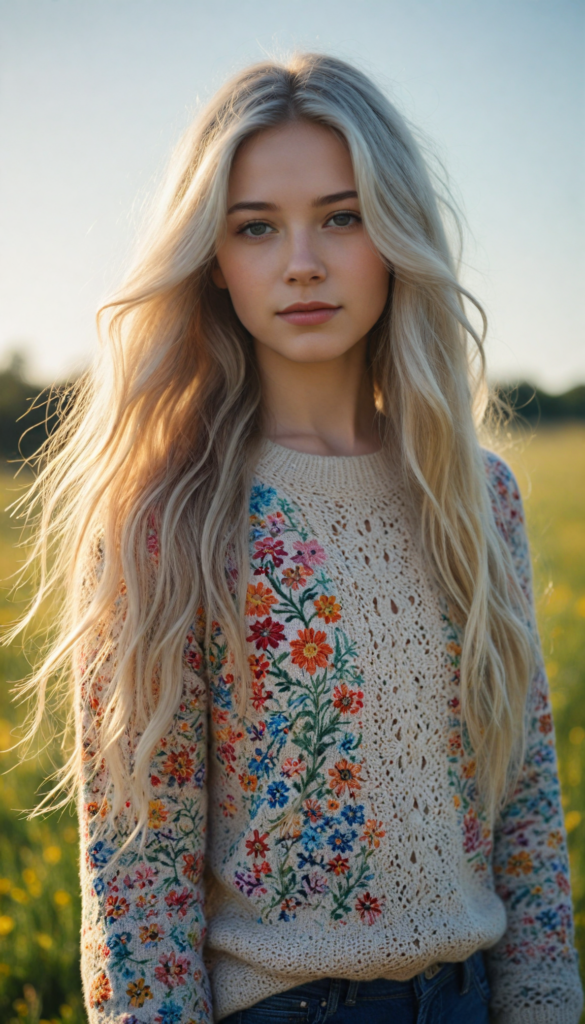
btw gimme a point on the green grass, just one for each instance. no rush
(39, 898)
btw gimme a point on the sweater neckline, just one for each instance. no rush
(328, 474)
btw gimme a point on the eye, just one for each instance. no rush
(255, 229)
(344, 220)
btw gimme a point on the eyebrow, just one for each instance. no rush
(334, 197)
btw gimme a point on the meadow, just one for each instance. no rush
(39, 899)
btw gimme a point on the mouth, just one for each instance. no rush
(306, 314)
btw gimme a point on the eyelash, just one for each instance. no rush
(340, 213)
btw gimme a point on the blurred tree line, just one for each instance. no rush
(27, 411)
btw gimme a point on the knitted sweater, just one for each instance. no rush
(338, 830)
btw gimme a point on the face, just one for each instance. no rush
(301, 271)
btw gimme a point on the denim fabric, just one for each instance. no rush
(456, 994)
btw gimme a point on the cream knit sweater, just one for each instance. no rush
(337, 831)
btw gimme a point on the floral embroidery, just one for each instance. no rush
(143, 925)
(308, 843)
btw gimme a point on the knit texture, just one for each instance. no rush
(338, 830)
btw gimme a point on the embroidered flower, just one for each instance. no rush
(259, 666)
(261, 497)
(248, 782)
(269, 548)
(179, 765)
(338, 865)
(293, 766)
(353, 814)
(193, 866)
(150, 934)
(309, 553)
(342, 841)
(373, 832)
(314, 884)
(172, 970)
(138, 992)
(328, 609)
(519, 864)
(276, 523)
(257, 845)
(115, 908)
(368, 907)
(259, 695)
(100, 990)
(266, 634)
(347, 702)
(297, 577)
(277, 794)
(181, 900)
(345, 776)
(259, 599)
(310, 651)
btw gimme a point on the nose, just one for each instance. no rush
(304, 265)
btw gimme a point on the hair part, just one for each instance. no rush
(165, 426)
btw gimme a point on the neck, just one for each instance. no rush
(322, 408)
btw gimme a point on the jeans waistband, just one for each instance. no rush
(346, 991)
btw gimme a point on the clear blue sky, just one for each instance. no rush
(93, 93)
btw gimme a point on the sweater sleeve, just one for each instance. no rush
(143, 922)
(534, 967)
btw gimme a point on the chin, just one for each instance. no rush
(311, 350)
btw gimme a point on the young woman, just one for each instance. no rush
(314, 739)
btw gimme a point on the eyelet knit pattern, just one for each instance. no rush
(339, 824)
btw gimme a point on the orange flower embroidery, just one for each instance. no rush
(157, 813)
(138, 991)
(519, 864)
(259, 599)
(296, 577)
(344, 776)
(259, 666)
(248, 782)
(328, 609)
(373, 832)
(310, 650)
(150, 933)
(101, 990)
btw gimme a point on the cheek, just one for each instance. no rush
(247, 285)
(370, 277)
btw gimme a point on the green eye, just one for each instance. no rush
(343, 220)
(256, 230)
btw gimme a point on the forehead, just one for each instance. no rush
(300, 158)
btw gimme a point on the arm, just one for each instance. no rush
(534, 967)
(142, 918)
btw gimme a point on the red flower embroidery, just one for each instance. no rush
(269, 548)
(347, 701)
(266, 633)
(368, 907)
(180, 765)
(257, 845)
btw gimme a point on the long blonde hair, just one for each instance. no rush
(167, 422)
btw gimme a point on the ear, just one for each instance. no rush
(217, 275)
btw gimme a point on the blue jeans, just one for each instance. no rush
(452, 993)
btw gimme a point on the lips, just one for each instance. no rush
(306, 314)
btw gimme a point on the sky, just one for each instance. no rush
(94, 94)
